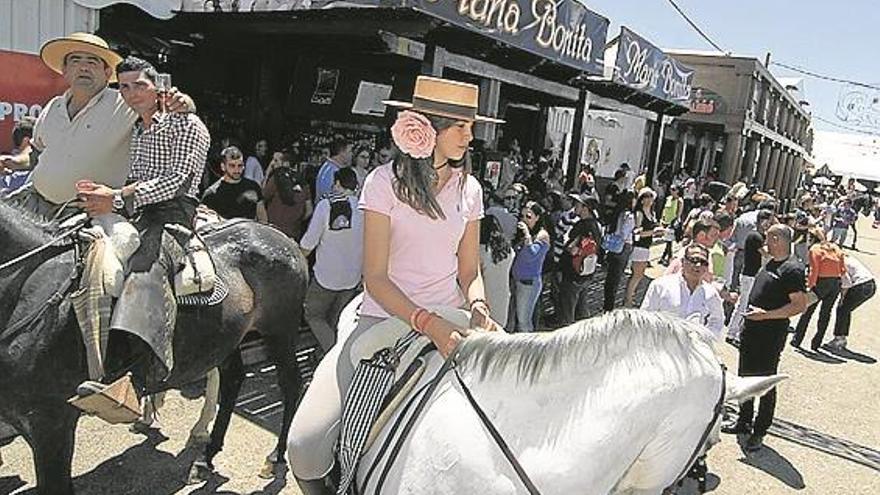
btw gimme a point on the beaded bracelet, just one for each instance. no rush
(422, 321)
(414, 319)
(475, 301)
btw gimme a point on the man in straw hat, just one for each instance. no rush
(84, 133)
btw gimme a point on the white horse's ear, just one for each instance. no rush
(744, 388)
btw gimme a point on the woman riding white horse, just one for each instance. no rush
(421, 249)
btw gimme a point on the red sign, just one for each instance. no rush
(26, 84)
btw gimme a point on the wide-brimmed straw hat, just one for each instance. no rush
(54, 51)
(445, 98)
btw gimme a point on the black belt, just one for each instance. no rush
(528, 281)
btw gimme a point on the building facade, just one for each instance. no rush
(743, 124)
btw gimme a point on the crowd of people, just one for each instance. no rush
(530, 260)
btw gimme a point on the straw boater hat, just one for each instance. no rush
(445, 98)
(54, 51)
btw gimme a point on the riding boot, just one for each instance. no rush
(314, 487)
(148, 309)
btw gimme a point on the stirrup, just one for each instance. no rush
(114, 403)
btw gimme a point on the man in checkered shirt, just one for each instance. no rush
(168, 154)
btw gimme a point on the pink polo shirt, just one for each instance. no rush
(422, 259)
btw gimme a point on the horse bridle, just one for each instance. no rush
(428, 390)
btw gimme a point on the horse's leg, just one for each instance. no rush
(231, 378)
(282, 351)
(51, 435)
(198, 435)
(152, 404)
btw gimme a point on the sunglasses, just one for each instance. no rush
(697, 261)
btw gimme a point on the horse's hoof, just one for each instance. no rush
(199, 473)
(140, 427)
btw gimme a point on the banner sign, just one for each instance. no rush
(643, 66)
(704, 101)
(369, 99)
(563, 31)
(24, 90)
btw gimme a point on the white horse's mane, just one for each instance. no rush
(589, 344)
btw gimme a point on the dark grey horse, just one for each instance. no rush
(42, 358)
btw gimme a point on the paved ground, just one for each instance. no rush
(825, 441)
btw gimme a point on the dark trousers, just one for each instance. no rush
(760, 348)
(827, 289)
(151, 224)
(739, 261)
(614, 265)
(667, 252)
(853, 298)
(322, 309)
(573, 305)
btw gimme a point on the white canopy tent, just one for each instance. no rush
(849, 155)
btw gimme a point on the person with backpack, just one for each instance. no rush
(577, 263)
(336, 234)
(287, 196)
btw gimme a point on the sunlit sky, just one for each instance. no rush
(839, 39)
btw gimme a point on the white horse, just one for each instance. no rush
(611, 405)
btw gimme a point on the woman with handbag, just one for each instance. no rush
(617, 244)
(644, 233)
(424, 206)
(671, 219)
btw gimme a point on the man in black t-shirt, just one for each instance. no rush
(779, 292)
(234, 196)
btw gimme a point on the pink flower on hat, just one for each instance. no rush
(414, 134)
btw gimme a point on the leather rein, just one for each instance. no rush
(427, 391)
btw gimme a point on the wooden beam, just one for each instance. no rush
(416, 50)
(602, 102)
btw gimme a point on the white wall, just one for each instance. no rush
(622, 139)
(26, 24)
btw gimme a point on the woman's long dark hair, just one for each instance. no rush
(415, 177)
(491, 235)
(543, 222)
(623, 204)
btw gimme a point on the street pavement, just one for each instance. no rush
(825, 439)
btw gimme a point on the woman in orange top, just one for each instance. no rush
(826, 268)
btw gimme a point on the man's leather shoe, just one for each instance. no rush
(754, 443)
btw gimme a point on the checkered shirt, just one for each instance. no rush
(168, 159)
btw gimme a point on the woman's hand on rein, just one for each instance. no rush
(444, 335)
(480, 319)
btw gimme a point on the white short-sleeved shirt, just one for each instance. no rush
(422, 258)
(338, 253)
(856, 273)
(93, 145)
(671, 294)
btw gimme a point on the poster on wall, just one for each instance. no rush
(325, 87)
(369, 99)
(24, 91)
(492, 174)
(592, 152)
